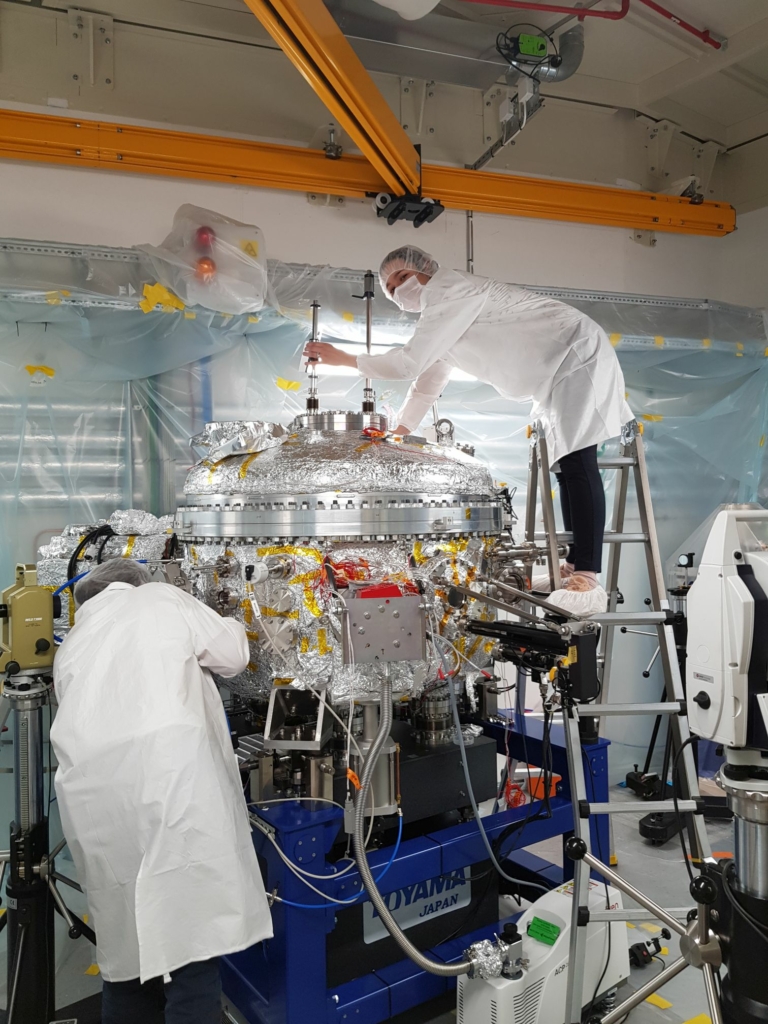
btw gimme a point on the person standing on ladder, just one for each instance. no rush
(529, 348)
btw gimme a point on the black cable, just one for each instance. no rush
(678, 815)
(728, 869)
(105, 530)
(607, 896)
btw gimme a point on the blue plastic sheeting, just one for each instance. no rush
(98, 398)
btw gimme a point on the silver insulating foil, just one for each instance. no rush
(311, 462)
(219, 439)
(294, 620)
(487, 960)
(135, 521)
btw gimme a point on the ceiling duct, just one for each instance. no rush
(434, 48)
(411, 10)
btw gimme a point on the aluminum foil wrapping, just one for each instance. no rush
(64, 543)
(487, 960)
(312, 462)
(294, 621)
(226, 438)
(135, 521)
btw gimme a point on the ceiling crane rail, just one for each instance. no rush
(48, 138)
(314, 43)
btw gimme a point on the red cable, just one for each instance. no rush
(528, 5)
(579, 12)
(703, 35)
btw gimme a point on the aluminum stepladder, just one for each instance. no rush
(630, 462)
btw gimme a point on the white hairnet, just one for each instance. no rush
(407, 257)
(116, 570)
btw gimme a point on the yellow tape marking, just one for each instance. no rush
(762, 441)
(288, 385)
(304, 645)
(252, 666)
(614, 861)
(250, 247)
(189, 315)
(349, 317)
(653, 929)
(706, 342)
(157, 295)
(630, 925)
(323, 646)
(40, 369)
(652, 418)
(93, 970)
(660, 1001)
(246, 463)
(702, 1018)
(614, 339)
(129, 546)
(253, 319)
(664, 951)
(658, 341)
(249, 633)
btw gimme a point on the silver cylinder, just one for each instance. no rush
(750, 826)
(27, 766)
(383, 784)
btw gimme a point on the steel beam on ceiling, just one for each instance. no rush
(314, 43)
(62, 140)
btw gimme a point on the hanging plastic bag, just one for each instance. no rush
(212, 261)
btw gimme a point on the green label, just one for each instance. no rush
(543, 931)
(533, 46)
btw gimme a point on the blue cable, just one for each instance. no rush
(70, 582)
(348, 903)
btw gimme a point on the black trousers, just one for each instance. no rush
(582, 500)
(193, 996)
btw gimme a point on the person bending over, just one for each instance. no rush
(528, 347)
(150, 794)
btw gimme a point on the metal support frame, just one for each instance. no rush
(284, 981)
(109, 146)
(631, 458)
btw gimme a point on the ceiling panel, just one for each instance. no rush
(723, 99)
(756, 65)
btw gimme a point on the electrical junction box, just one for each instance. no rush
(533, 46)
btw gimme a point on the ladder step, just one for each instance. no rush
(608, 538)
(681, 913)
(617, 463)
(664, 708)
(629, 618)
(642, 807)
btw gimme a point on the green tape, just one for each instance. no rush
(543, 931)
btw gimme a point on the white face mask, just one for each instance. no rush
(408, 294)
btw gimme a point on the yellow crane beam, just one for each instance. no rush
(105, 145)
(314, 43)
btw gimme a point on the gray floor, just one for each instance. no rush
(658, 871)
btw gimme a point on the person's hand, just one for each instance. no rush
(322, 352)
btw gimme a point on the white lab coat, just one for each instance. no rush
(148, 786)
(527, 346)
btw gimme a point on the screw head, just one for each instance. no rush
(74, 35)
(431, 131)
(406, 127)
(75, 77)
(406, 89)
(108, 81)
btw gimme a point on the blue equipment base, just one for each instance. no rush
(284, 980)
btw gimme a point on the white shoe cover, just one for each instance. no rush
(580, 602)
(541, 585)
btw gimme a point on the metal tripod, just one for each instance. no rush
(698, 946)
(32, 893)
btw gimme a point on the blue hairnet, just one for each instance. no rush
(407, 257)
(116, 570)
